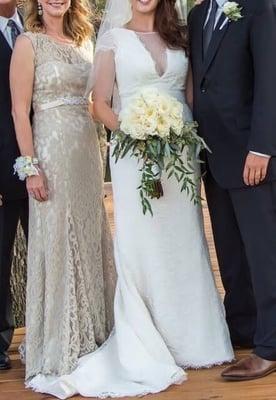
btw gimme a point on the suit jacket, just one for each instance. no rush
(10, 186)
(235, 88)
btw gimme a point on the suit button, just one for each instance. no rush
(203, 90)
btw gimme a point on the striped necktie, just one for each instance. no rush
(209, 27)
(15, 31)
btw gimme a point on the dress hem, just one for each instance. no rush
(208, 366)
(177, 379)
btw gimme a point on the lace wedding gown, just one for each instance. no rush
(71, 274)
(168, 314)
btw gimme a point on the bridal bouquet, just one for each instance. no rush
(153, 130)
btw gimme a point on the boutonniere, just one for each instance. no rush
(232, 10)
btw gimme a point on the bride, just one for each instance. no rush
(168, 314)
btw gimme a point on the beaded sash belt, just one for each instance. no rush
(63, 101)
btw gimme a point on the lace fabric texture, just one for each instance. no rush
(109, 84)
(71, 277)
(162, 325)
(156, 48)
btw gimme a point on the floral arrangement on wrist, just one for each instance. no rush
(26, 166)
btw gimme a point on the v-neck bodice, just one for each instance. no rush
(138, 65)
(156, 49)
(141, 60)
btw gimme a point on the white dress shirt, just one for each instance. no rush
(6, 30)
(218, 15)
(219, 11)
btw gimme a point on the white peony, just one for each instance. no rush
(152, 113)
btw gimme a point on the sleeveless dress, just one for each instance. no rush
(71, 274)
(168, 313)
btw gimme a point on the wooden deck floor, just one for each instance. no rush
(201, 385)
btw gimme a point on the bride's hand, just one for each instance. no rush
(37, 187)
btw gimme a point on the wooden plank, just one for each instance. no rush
(201, 385)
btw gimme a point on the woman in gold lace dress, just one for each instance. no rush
(70, 263)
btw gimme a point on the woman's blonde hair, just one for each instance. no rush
(77, 21)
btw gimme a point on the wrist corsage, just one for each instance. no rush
(26, 166)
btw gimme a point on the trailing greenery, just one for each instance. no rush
(163, 155)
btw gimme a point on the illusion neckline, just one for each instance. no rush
(139, 39)
(140, 32)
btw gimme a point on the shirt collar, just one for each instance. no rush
(221, 3)
(4, 21)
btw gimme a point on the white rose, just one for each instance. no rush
(152, 113)
(164, 107)
(136, 132)
(177, 127)
(163, 127)
(230, 7)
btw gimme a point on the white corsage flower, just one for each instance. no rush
(232, 10)
(25, 167)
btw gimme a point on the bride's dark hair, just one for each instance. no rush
(169, 26)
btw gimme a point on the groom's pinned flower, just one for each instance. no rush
(232, 10)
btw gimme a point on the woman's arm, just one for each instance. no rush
(103, 89)
(189, 87)
(21, 81)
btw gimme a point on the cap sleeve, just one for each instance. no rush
(103, 74)
(33, 39)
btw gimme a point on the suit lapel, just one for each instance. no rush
(3, 41)
(4, 44)
(218, 35)
(199, 23)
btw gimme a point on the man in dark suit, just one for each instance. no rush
(14, 196)
(233, 60)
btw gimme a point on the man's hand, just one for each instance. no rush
(255, 169)
(1, 200)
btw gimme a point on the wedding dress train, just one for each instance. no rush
(168, 313)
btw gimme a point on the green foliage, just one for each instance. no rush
(98, 5)
(190, 3)
(163, 155)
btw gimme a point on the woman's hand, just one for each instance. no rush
(37, 187)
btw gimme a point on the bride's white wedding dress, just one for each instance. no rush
(168, 314)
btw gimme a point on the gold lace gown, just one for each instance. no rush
(71, 278)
